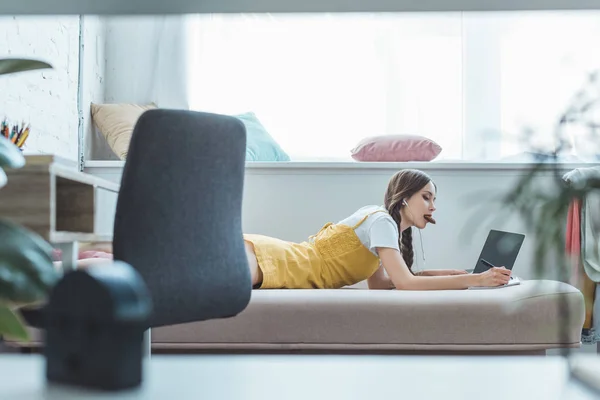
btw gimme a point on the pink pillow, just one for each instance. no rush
(396, 148)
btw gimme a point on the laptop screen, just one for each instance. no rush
(501, 249)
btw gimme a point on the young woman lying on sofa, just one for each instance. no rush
(367, 244)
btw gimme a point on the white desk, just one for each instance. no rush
(276, 377)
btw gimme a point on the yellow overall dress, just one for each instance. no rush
(333, 258)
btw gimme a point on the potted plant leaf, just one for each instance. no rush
(543, 204)
(26, 270)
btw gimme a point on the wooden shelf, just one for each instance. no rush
(52, 198)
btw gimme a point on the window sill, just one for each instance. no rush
(374, 166)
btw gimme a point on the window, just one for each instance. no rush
(319, 83)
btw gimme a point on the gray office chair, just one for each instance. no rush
(178, 214)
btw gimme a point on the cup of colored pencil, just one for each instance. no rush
(15, 133)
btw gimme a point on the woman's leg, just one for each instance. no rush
(255, 271)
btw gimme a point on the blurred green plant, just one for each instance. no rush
(14, 65)
(27, 273)
(541, 196)
(543, 207)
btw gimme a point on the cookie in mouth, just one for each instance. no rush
(429, 218)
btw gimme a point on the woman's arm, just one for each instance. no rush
(442, 272)
(379, 280)
(403, 279)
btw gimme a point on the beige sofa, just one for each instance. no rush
(523, 319)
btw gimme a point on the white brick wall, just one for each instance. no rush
(46, 99)
(93, 86)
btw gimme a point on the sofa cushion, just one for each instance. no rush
(523, 317)
(116, 123)
(260, 145)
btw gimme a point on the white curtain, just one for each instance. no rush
(546, 59)
(319, 83)
(147, 60)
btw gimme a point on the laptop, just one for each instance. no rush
(501, 250)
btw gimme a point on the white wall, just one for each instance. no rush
(293, 203)
(47, 99)
(124, 59)
(93, 81)
(144, 62)
(120, 63)
(130, 45)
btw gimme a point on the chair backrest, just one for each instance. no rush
(178, 215)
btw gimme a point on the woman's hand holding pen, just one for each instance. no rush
(494, 276)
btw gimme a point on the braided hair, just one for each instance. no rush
(402, 186)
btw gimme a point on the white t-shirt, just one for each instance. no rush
(378, 230)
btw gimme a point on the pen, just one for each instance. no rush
(489, 264)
